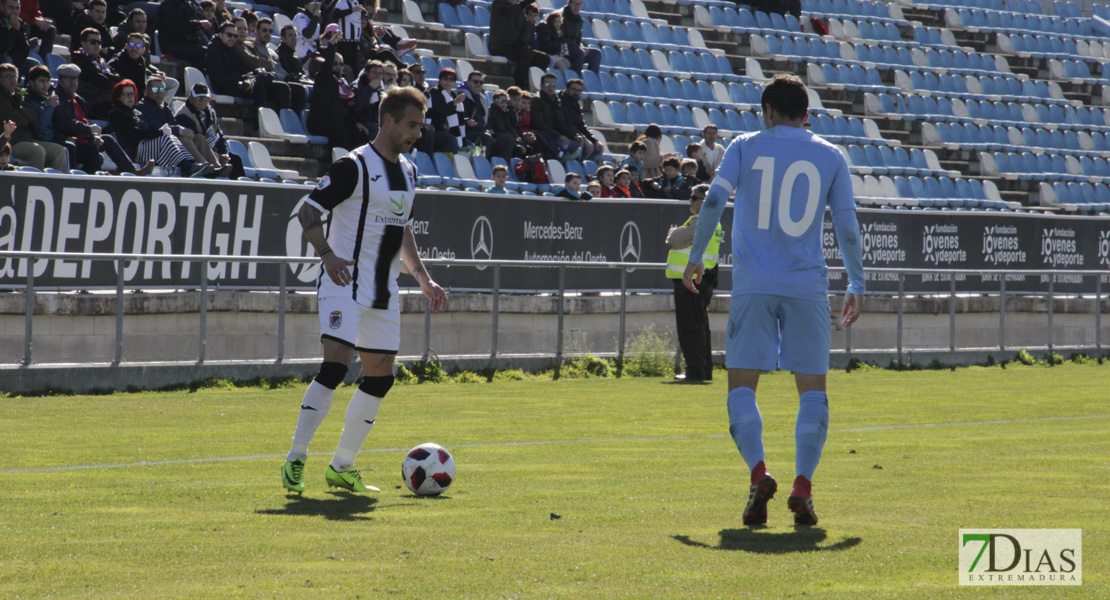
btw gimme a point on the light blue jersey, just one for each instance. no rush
(783, 178)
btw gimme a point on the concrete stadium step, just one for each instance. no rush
(281, 148)
(309, 168)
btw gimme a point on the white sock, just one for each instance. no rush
(314, 407)
(361, 414)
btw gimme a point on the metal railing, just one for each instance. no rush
(623, 267)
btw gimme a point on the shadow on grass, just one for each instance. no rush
(758, 540)
(339, 506)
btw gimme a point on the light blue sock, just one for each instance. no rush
(810, 432)
(745, 424)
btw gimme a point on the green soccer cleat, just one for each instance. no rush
(347, 480)
(292, 475)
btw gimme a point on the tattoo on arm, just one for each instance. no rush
(313, 225)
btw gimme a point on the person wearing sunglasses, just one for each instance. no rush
(156, 113)
(131, 64)
(97, 78)
(135, 23)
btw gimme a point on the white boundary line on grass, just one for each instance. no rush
(152, 463)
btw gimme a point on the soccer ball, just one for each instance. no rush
(428, 469)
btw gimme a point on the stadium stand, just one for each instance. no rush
(955, 104)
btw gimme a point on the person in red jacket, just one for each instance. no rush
(41, 28)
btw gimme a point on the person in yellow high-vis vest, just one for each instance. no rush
(691, 310)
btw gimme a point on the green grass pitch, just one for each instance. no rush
(646, 485)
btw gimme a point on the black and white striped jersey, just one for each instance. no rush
(370, 201)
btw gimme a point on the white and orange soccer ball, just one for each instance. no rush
(428, 469)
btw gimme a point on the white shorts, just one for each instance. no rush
(364, 329)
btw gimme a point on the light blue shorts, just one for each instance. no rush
(765, 332)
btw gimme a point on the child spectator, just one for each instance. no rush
(593, 188)
(500, 176)
(571, 188)
(634, 164)
(695, 151)
(671, 184)
(606, 180)
(6, 157)
(690, 170)
(626, 186)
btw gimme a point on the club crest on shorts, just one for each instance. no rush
(335, 319)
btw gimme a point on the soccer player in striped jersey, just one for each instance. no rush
(784, 177)
(369, 194)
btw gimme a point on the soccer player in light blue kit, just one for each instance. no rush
(783, 178)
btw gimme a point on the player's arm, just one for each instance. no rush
(410, 256)
(724, 184)
(843, 205)
(332, 189)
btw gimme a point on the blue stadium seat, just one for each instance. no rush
(426, 170)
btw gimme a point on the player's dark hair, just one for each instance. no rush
(787, 95)
(395, 101)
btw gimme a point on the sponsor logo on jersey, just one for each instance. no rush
(398, 205)
(335, 319)
(324, 182)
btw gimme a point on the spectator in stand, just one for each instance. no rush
(627, 186)
(332, 97)
(503, 128)
(38, 27)
(671, 184)
(60, 12)
(198, 116)
(348, 15)
(40, 97)
(690, 170)
(229, 76)
(95, 16)
(606, 178)
(572, 188)
(524, 113)
(475, 110)
(404, 78)
(593, 188)
(781, 7)
(380, 43)
(97, 78)
(288, 66)
(418, 82)
(500, 176)
(157, 114)
(5, 153)
(135, 23)
(694, 151)
(549, 40)
(571, 101)
(143, 143)
(714, 152)
(509, 33)
(131, 64)
(308, 26)
(389, 76)
(15, 45)
(652, 166)
(368, 96)
(550, 125)
(27, 144)
(71, 126)
(182, 31)
(257, 57)
(634, 162)
(222, 13)
(445, 116)
(578, 54)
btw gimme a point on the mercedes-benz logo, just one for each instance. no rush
(630, 243)
(481, 240)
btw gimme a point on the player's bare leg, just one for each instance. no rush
(362, 412)
(809, 439)
(314, 407)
